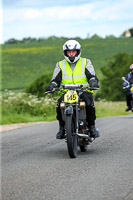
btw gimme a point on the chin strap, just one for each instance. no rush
(71, 58)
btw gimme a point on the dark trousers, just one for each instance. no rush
(90, 109)
(128, 98)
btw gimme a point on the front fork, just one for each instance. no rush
(70, 111)
(76, 118)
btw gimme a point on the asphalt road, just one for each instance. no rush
(36, 166)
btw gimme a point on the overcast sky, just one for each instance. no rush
(69, 18)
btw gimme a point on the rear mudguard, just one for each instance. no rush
(68, 110)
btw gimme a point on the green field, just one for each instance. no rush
(23, 63)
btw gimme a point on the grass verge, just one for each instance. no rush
(23, 107)
(108, 109)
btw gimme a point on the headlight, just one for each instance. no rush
(62, 105)
(82, 104)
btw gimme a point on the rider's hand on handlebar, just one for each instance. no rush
(51, 86)
(93, 83)
(125, 84)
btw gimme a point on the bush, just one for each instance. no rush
(23, 104)
(38, 87)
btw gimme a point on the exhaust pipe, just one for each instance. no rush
(86, 137)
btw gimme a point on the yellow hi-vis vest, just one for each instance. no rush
(76, 77)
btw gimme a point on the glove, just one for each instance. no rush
(51, 86)
(125, 84)
(93, 83)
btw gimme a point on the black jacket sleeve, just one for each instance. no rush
(89, 75)
(58, 79)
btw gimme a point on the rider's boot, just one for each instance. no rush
(61, 132)
(127, 109)
(94, 131)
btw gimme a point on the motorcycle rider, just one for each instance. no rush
(129, 78)
(75, 70)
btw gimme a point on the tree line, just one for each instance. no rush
(95, 36)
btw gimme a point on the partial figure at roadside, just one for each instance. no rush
(128, 86)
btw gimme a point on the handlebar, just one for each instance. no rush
(80, 87)
(55, 89)
(128, 84)
(77, 88)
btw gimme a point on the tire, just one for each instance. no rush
(71, 137)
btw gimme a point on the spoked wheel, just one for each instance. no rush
(71, 137)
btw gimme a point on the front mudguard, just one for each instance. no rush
(68, 110)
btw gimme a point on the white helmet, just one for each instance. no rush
(72, 45)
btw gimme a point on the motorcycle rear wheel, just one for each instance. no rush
(71, 137)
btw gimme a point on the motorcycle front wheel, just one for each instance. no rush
(71, 137)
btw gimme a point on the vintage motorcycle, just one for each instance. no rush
(130, 87)
(74, 115)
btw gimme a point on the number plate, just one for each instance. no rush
(71, 97)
